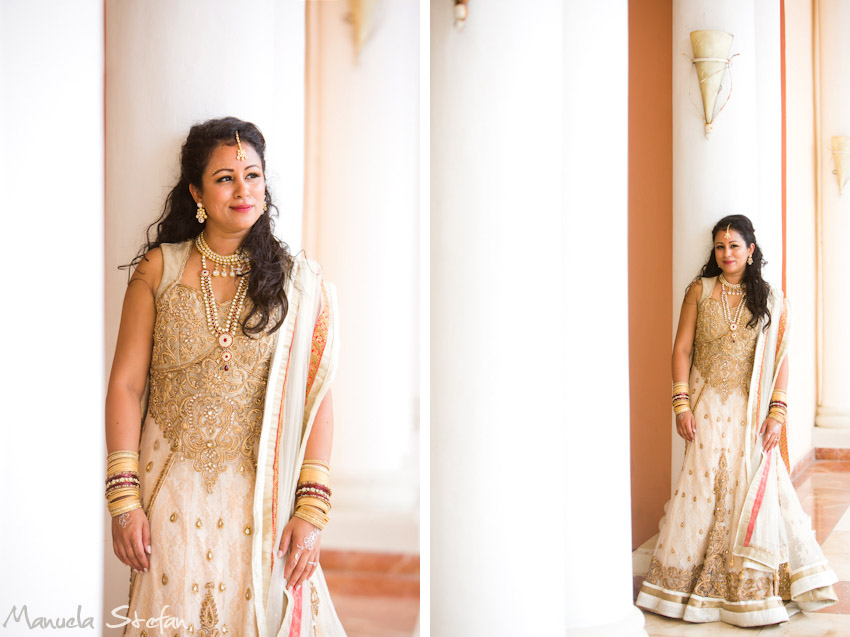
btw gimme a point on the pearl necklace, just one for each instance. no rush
(238, 262)
(225, 333)
(731, 320)
(734, 289)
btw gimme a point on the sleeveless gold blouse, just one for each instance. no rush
(210, 415)
(725, 363)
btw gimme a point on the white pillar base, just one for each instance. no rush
(372, 531)
(832, 417)
(642, 556)
(359, 522)
(629, 626)
(830, 438)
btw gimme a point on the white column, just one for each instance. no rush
(595, 386)
(170, 64)
(834, 61)
(737, 170)
(361, 223)
(52, 447)
(528, 199)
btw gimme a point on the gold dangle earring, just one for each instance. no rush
(750, 260)
(201, 214)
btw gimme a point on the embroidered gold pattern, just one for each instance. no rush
(725, 364)
(320, 339)
(168, 462)
(670, 577)
(740, 588)
(314, 607)
(211, 416)
(711, 581)
(783, 581)
(209, 614)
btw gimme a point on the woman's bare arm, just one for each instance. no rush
(684, 343)
(682, 348)
(321, 436)
(131, 539)
(132, 356)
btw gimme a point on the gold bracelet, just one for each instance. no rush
(307, 500)
(308, 517)
(123, 453)
(130, 507)
(777, 414)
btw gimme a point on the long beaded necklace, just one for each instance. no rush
(238, 264)
(732, 289)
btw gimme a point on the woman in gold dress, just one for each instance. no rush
(735, 545)
(219, 489)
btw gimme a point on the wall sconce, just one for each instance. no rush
(711, 59)
(460, 13)
(362, 18)
(841, 155)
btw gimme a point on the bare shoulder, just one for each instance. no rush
(149, 269)
(694, 292)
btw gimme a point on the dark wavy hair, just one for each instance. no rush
(757, 289)
(271, 261)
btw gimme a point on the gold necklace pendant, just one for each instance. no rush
(225, 334)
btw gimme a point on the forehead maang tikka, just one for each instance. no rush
(240, 153)
(725, 236)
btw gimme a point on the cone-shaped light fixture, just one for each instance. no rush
(711, 57)
(841, 155)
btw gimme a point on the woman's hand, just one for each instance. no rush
(772, 431)
(303, 539)
(686, 425)
(131, 539)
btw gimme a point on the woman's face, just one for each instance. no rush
(732, 253)
(233, 191)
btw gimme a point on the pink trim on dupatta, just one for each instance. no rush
(295, 626)
(758, 501)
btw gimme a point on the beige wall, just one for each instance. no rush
(800, 225)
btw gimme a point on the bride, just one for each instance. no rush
(736, 545)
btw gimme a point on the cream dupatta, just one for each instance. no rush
(773, 528)
(300, 375)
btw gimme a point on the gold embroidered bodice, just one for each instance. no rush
(209, 415)
(724, 363)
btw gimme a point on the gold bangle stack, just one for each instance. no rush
(312, 496)
(122, 482)
(778, 409)
(681, 399)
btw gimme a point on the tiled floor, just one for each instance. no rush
(375, 595)
(824, 490)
